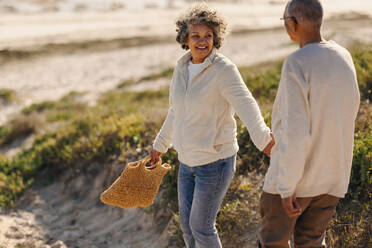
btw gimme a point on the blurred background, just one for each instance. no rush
(84, 90)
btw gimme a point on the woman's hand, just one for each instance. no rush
(155, 156)
(269, 146)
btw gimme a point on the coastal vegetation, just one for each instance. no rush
(7, 96)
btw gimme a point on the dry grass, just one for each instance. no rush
(19, 127)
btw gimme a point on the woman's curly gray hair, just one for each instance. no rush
(201, 14)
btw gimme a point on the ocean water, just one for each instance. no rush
(35, 6)
(31, 6)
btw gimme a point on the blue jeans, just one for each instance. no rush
(201, 190)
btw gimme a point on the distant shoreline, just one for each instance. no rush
(87, 45)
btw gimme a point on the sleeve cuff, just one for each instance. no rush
(265, 140)
(286, 195)
(159, 147)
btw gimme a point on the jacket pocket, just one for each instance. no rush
(225, 136)
(199, 138)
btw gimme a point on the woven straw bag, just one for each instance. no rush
(137, 185)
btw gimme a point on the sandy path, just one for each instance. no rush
(67, 213)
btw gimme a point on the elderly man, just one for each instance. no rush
(313, 126)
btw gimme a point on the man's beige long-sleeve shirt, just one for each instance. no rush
(200, 124)
(313, 123)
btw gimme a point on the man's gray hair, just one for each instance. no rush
(306, 11)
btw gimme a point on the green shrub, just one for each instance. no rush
(166, 73)
(351, 226)
(4, 133)
(20, 127)
(8, 96)
(63, 110)
(170, 181)
(363, 65)
(238, 218)
(86, 139)
(39, 107)
(125, 83)
(360, 187)
(263, 85)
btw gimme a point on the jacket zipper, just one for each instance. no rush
(187, 86)
(184, 111)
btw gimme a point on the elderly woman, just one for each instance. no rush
(205, 92)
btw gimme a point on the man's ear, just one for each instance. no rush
(293, 26)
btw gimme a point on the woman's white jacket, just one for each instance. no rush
(200, 124)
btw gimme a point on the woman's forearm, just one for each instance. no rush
(237, 94)
(163, 140)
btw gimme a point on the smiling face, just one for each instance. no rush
(200, 42)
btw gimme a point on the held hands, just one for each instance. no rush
(291, 206)
(269, 146)
(155, 156)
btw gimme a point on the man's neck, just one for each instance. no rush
(309, 38)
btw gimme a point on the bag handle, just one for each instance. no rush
(146, 160)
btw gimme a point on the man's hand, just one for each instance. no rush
(155, 156)
(291, 206)
(269, 146)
